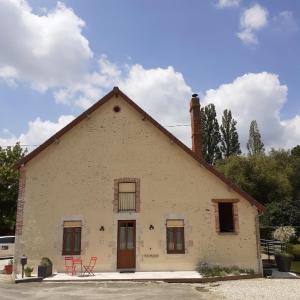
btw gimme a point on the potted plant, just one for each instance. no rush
(9, 267)
(45, 267)
(28, 270)
(284, 259)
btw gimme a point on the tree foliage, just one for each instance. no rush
(210, 134)
(229, 137)
(273, 180)
(9, 179)
(255, 145)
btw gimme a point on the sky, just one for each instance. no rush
(58, 58)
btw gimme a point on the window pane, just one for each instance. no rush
(67, 239)
(122, 236)
(126, 201)
(77, 240)
(226, 217)
(130, 237)
(170, 239)
(179, 239)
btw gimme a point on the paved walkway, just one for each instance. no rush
(127, 276)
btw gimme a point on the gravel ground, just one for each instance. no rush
(265, 289)
(103, 290)
(273, 289)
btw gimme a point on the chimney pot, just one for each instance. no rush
(196, 125)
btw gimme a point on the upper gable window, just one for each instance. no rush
(127, 196)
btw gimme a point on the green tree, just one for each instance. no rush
(229, 137)
(210, 134)
(255, 146)
(296, 151)
(272, 179)
(9, 179)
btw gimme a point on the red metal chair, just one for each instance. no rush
(69, 265)
(89, 269)
(77, 262)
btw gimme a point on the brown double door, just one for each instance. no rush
(126, 245)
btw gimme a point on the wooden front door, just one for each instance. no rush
(126, 245)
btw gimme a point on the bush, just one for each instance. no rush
(46, 262)
(217, 271)
(294, 249)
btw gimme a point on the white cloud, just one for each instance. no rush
(259, 97)
(46, 50)
(38, 131)
(228, 3)
(252, 20)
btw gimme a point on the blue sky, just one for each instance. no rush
(59, 58)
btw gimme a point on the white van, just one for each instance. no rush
(7, 245)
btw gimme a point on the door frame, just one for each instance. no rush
(134, 243)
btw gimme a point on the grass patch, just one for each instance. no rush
(218, 271)
(295, 267)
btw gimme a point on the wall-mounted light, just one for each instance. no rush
(101, 228)
(151, 227)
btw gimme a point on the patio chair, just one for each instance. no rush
(89, 269)
(77, 262)
(69, 265)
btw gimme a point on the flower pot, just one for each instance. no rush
(28, 274)
(267, 272)
(44, 271)
(8, 269)
(283, 263)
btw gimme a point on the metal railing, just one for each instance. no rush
(270, 247)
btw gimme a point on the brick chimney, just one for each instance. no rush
(196, 125)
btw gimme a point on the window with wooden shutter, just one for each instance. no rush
(72, 238)
(175, 236)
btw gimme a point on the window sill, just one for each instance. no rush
(227, 233)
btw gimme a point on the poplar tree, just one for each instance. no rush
(210, 134)
(229, 137)
(255, 145)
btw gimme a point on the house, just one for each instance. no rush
(117, 185)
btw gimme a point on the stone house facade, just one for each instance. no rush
(117, 185)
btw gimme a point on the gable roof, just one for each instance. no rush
(117, 92)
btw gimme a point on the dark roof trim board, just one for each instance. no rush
(116, 92)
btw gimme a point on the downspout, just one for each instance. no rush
(259, 261)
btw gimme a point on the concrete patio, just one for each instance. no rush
(113, 276)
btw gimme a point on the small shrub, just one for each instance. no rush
(217, 271)
(45, 261)
(284, 254)
(28, 270)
